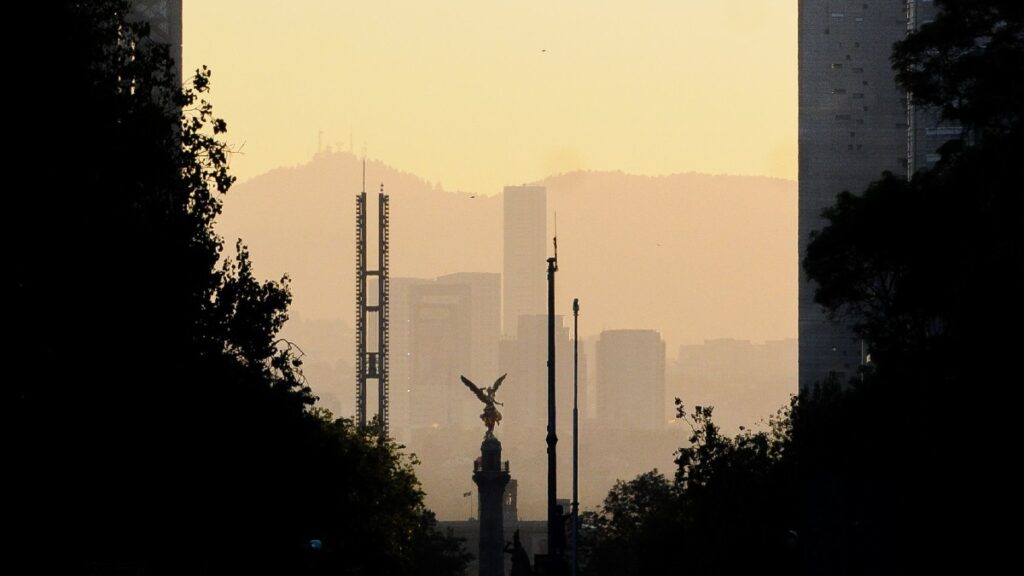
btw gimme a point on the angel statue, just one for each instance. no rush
(490, 416)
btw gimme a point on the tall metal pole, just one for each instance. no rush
(575, 430)
(555, 527)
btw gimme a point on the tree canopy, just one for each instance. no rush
(158, 422)
(729, 508)
(927, 271)
(906, 468)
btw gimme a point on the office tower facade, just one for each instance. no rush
(440, 346)
(443, 328)
(164, 19)
(631, 380)
(854, 123)
(524, 249)
(485, 322)
(401, 355)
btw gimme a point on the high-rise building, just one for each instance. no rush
(440, 348)
(524, 218)
(164, 18)
(854, 123)
(401, 355)
(525, 358)
(442, 329)
(485, 322)
(631, 380)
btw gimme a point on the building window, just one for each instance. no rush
(943, 131)
(839, 90)
(933, 158)
(836, 66)
(838, 15)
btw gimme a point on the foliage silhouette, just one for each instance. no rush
(730, 507)
(926, 270)
(157, 422)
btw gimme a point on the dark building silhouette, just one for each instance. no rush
(631, 380)
(164, 18)
(854, 123)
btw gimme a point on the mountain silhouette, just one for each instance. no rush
(693, 255)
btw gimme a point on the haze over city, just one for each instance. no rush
(676, 209)
(477, 96)
(513, 288)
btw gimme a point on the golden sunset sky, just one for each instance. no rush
(479, 94)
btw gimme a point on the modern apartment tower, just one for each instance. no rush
(854, 123)
(524, 218)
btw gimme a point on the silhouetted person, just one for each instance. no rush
(520, 559)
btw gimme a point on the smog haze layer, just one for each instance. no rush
(480, 95)
(668, 151)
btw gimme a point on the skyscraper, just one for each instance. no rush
(164, 18)
(631, 380)
(440, 346)
(442, 329)
(524, 218)
(854, 123)
(485, 322)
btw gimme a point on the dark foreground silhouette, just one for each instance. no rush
(156, 422)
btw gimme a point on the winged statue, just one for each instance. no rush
(490, 416)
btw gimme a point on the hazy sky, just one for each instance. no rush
(478, 94)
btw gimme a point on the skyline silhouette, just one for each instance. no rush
(737, 231)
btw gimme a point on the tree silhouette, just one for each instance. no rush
(730, 508)
(926, 269)
(156, 420)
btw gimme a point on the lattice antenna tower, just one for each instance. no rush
(372, 319)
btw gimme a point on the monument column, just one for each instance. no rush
(491, 477)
